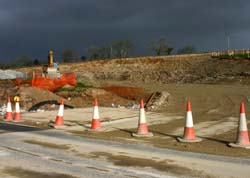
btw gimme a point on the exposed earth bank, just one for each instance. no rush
(215, 88)
(136, 73)
(197, 68)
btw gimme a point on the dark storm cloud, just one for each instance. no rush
(32, 27)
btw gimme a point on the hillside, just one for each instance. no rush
(196, 68)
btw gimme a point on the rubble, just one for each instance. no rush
(160, 99)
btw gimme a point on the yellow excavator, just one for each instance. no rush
(51, 70)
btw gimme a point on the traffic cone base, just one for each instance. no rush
(242, 138)
(96, 126)
(59, 121)
(8, 116)
(59, 118)
(142, 130)
(189, 133)
(52, 124)
(235, 145)
(196, 139)
(149, 134)
(189, 136)
(96, 123)
(17, 116)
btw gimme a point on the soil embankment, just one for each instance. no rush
(200, 68)
(139, 72)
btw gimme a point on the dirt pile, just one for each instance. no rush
(85, 97)
(112, 96)
(158, 100)
(29, 96)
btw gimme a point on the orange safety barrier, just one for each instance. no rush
(53, 84)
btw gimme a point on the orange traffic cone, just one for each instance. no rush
(59, 117)
(142, 124)
(95, 125)
(242, 138)
(8, 116)
(189, 134)
(17, 112)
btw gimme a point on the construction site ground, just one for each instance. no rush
(215, 88)
(215, 111)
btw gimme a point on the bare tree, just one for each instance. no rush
(67, 55)
(119, 49)
(93, 52)
(161, 47)
(122, 48)
(188, 49)
(23, 60)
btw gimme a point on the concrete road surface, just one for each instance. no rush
(27, 152)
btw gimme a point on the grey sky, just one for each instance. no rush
(32, 27)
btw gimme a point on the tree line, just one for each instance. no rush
(117, 49)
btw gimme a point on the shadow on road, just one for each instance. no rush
(9, 127)
(216, 140)
(164, 134)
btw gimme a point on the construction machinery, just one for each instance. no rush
(51, 70)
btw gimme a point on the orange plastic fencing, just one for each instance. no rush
(53, 84)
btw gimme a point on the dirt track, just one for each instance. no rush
(215, 112)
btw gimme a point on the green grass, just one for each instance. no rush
(78, 87)
(82, 85)
(236, 56)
